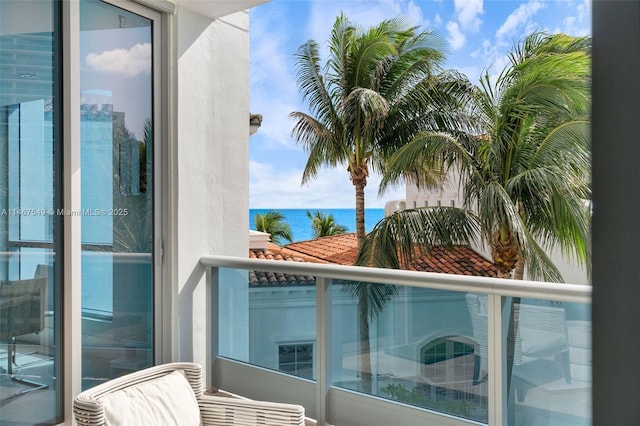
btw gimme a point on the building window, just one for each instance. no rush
(453, 203)
(448, 360)
(296, 359)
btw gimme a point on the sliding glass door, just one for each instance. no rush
(30, 228)
(116, 155)
(116, 198)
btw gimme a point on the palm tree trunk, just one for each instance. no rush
(508, 259)
(363, 342)
(359, 184)
(518, 274)
(511, 342)
(359, 180)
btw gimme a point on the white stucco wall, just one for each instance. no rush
(445, 195)
(211, 158)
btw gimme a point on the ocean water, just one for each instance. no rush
(301, 224)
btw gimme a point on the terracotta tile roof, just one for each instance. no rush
(342, 249)
(461, 260)
(272, 279)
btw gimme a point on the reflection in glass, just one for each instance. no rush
(117, 203)
(426, 349)
(282, 322)
(550, 378)
(30, 237)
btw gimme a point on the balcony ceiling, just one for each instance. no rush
(218, 8)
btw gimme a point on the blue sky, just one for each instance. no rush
(479, 35)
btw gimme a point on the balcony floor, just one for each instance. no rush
(18, 399)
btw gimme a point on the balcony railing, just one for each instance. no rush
(442, 349)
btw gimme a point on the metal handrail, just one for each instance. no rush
(464, 283)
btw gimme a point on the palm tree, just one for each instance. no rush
(524, 176)
(378, 89)
(273, 223)
(324, 225)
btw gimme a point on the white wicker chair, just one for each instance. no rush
(89, 409)
(541, 352)
(477, 306)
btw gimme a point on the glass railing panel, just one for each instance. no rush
(425, 347)
(268, 319)
(116, 314)
(548, 369)
(429, 348)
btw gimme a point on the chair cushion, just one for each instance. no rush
(541, 342)
(168, 400)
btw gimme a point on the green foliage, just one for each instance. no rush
(375, 296)
(324, 225)
(398, 238)
(379, 88)
(524, 165)
(273, 223)
(416, 397)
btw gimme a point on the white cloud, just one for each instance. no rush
(130, 63)
(584, 10)
(414, 12)
(280, 187)
(362, 12)
(456, 39)
(519, 18)
(273, 84)
(467, 12)
(466, 20)
(580, 23)
(437, 20)
(569, 21)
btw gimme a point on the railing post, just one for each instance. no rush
(496, 360)
(323, 348)
(212, 324)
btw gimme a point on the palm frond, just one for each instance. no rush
(311, 83)
(377, 295)
(538, 264)
(273, 222)
(322, 144)
(397, 239)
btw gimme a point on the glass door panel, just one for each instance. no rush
(117, 191)
(30, 228)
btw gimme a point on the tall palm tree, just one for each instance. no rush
(273, 223)
(378, 88)
(524, 169)
(324, 225)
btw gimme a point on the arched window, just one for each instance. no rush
(448, 360)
